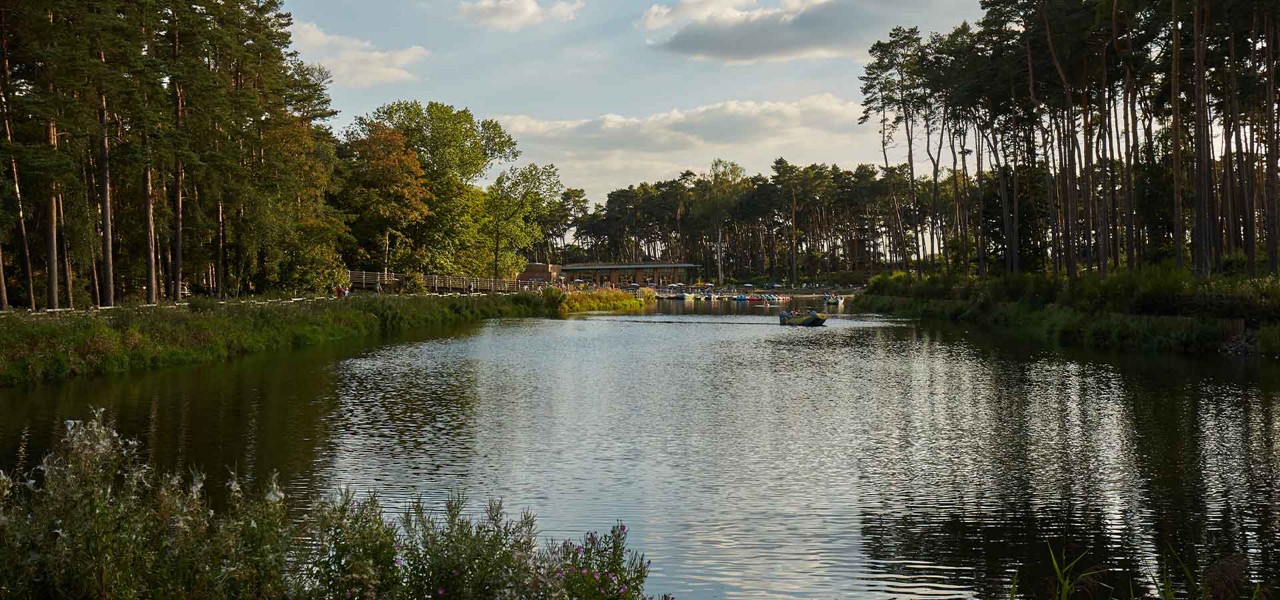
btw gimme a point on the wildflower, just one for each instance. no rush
(440, 591)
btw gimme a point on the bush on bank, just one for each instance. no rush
(46, 347)
(1155, 309)
(1156, 291)
(101, 524)
(608, 300)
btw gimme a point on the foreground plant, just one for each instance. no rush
(94, 521)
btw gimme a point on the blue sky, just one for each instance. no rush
(614, 91)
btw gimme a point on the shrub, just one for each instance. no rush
(554, 297)
(353, 550)
(600, 567)
(452, 556)
(99, 523)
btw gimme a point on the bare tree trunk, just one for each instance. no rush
(982, 241)
(1176, 133)
(108, 293)
(720, 255)
(1069, 136)
(4, 289)
(220, 269)
(179, 178)
(1273, 145)
(51, 232)
(66, 255)
(153, 294)
(1203, 234)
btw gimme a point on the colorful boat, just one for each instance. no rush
(799, 319)
(833, 299)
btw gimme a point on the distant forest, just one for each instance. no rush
(156, 147)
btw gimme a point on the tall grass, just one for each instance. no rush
(49, 347)
(93, 521)
(608, 300)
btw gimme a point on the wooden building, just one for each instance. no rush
(624, 274)
(540, 272)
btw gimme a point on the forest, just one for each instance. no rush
(156, 149)
(1050, 136)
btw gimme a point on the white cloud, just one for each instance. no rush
(512, 15)
(355, 62)
(744, 31)
(614, 151)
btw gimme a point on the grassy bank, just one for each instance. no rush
(1152, 310)
(48, 347)
(100, 524)
(1069, 327)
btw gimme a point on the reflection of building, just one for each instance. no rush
(624, 274)
(540, 272)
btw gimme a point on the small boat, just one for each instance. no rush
(799, 319)
(833, 300)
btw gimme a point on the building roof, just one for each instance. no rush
(626, 266)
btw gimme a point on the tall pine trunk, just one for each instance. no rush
(149, 215)
(1176, 133)
(179, 177)
(108, 293)
(1203, 249)
(1273, 145)
(51, 232)
(68, 274)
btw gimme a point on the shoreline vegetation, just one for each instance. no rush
(39, 347)
(1155, 310)
(95, 521)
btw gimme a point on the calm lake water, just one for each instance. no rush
(869, 458)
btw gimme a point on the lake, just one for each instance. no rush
(873, 457)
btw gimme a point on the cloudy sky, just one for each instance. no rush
(620, 91)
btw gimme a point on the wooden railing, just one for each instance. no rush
(369, 280)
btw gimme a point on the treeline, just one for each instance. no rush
(1056, 136)
(153, 149)
(796, 220)
(1104, 133)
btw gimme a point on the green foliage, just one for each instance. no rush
(512, 208)
(1156, 309)
(39, 347)
(600, 567)
(452, 556)
(606, 300)
(554, 297)
(98, 523)
(353, 551)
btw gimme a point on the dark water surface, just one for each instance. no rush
(870, 458)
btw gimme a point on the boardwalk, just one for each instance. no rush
(370, 280)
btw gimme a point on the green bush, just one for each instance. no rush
(554, 297)
(610, 300)
(97, 523)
